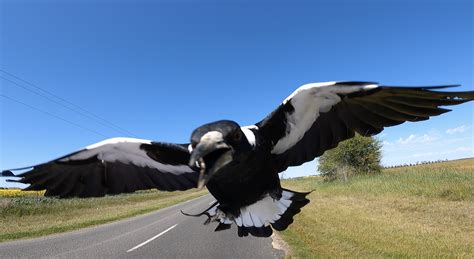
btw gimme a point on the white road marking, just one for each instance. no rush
(212, 202)
(135, 230)
(151, 239)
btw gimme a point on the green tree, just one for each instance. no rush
(356, 156)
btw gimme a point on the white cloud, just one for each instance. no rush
(418, 139)
(458, 150)
(466, 150)
(405, 141)
(458, 130)
(428, 146)
(423, 154)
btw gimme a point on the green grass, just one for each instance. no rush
(33, 216)
(420, 211)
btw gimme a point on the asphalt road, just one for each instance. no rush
(162, 234)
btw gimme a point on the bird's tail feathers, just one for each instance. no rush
(259, 218)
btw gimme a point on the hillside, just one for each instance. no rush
(421, 211)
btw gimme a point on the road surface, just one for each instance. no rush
(162, 234)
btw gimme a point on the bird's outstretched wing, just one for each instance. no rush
(316, 117)
(113, 166)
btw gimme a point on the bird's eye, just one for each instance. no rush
(237, 136)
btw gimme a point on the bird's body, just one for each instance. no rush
(240, 185)
(240, 165)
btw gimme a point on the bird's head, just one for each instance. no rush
(214, 146)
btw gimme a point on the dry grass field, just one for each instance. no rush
(419, 211)
(29, 214)
(11, 193)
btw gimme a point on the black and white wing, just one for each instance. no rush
(316, 117)
(113, 166)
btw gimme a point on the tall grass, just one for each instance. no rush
(420, 211)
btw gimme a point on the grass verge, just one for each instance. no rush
(32, 215)
(419, 211)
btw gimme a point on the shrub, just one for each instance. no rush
(356, 156)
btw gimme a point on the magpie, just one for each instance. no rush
(240, 165)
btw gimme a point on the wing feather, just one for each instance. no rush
(114, 166)
(316, 117)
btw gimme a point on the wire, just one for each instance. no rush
(75, 108)
(81, 111)
(53, 115)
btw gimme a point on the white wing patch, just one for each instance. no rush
(118, 140)
(307, 87)
(127, 151)
(309, 101)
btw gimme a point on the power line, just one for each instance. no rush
(75, 108)
(53, 115)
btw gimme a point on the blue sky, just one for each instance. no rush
(159, 69)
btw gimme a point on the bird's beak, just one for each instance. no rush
(209, 156)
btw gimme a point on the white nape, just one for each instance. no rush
(214, 136)
(249, 134)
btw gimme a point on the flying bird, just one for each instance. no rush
(240, 165)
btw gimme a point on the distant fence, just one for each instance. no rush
(416, 163)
